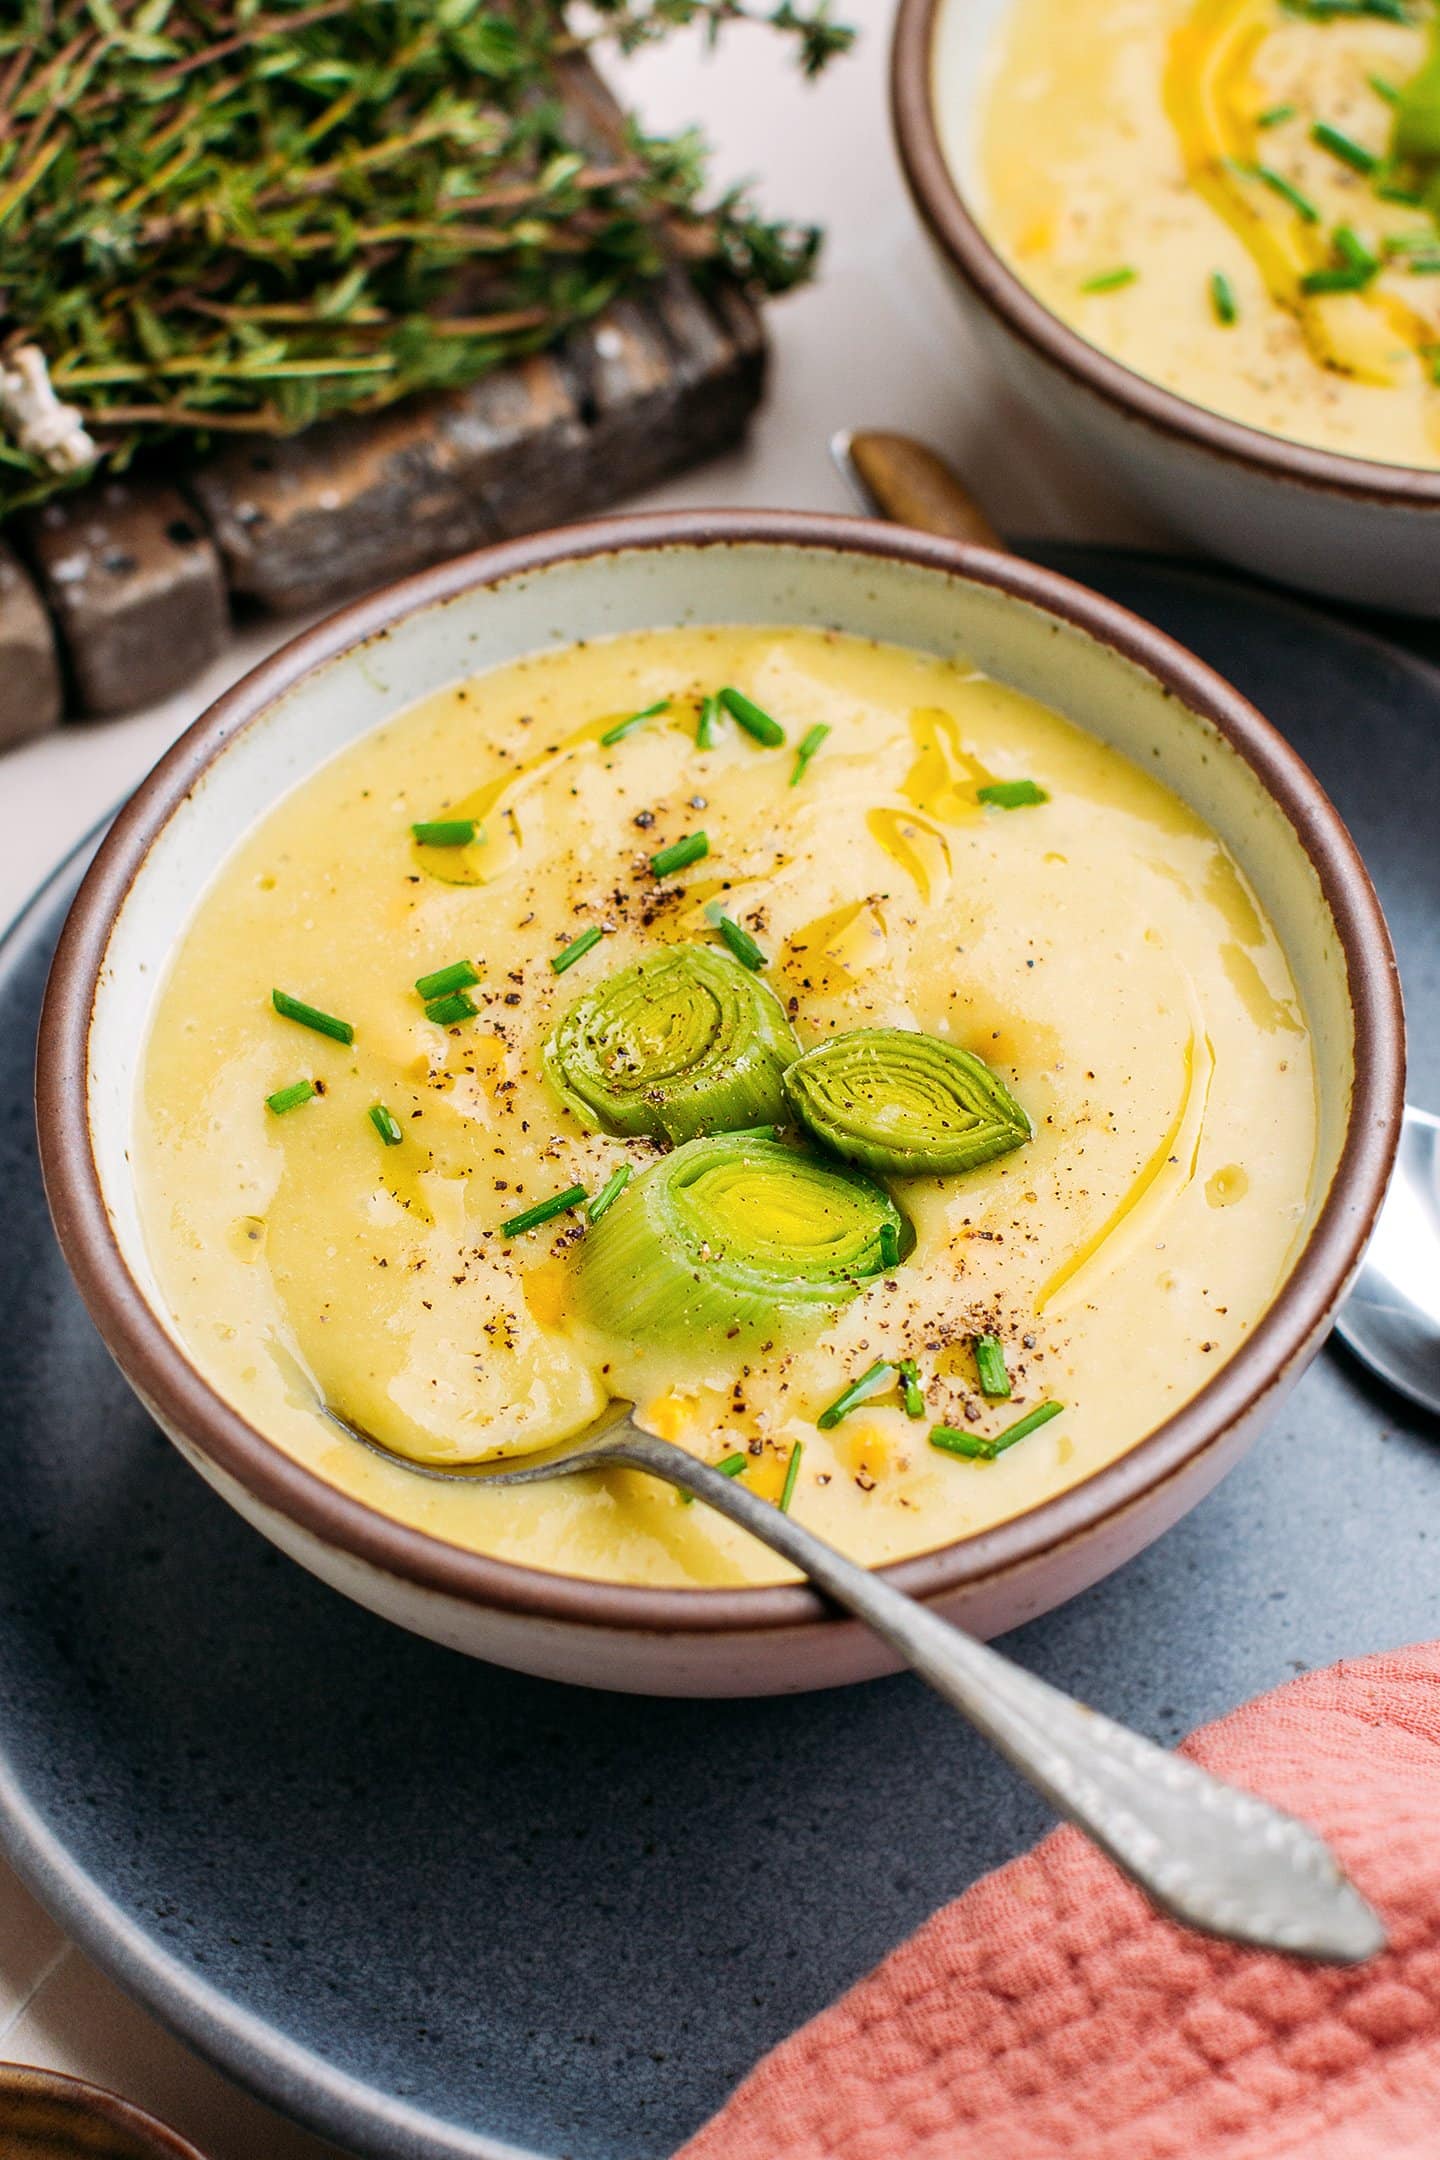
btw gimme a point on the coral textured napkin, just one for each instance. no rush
(1049, 2012)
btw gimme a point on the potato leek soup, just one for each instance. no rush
(1236, 198)
(893, 1091)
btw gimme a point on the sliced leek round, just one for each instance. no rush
(735, 1233)
(904, 1104)
(686, 1041)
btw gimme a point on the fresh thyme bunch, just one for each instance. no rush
(221, 215)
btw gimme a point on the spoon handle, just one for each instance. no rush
(904, 480)
(1206, 1853)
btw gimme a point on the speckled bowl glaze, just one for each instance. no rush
(44, 2116)
(1109, 671)
(1349, 527)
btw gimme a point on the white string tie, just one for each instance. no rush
(38, 422)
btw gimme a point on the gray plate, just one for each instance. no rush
(435, 1909)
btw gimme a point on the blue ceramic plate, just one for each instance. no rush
(438, 1910)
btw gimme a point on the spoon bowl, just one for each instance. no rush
(1392, 1318)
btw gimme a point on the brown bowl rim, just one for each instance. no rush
(97, 2104)
(960, 239)
(164, 1377)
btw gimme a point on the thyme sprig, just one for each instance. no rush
(221, 215)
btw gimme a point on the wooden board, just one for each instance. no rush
(650, 387)
(124, 587)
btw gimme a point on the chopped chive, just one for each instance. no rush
(1387, 90)
(1333, 10)
(1344, 147)
(1110, 280)
(808, 747)
(1423, 265)
(458, 976)
(1337, 280)
(680, 854)
(323, 1023)
(609, 1192)
(1395, 191)
(911, 1389)
(1011, 794)
(889, 1245)
(991, 1367)
(707, 727)
(386, 1124)
(1273, 115)
(445, 1011)
(753, 718)
(1413, 243)
(740, 942)
(870, 1383)
(792, 1472)
(577, 949)
(729, 1466)
(633, 720)
(290, 1098)
(544, 1211)
(1222, 299)
(445, 832)
(1288, 192)
(1040, 1415)
(969, 1444)
(1353, 251)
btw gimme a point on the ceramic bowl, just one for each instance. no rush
(44, 2116)
(1124, 681)
(1352, 528)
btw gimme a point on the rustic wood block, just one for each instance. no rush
(742, 319)
(135, 588)
(355, 502)
(646, 389)
(30, 693)
(541, 441)
(655, 385)
(663, 383)
(594, 114)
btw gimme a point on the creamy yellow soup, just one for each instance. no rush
(1099, 949)
(1151, 169)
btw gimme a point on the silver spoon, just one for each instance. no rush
(1391, 1319)
(1207, 1854)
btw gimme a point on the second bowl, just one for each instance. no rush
(1354, 528)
